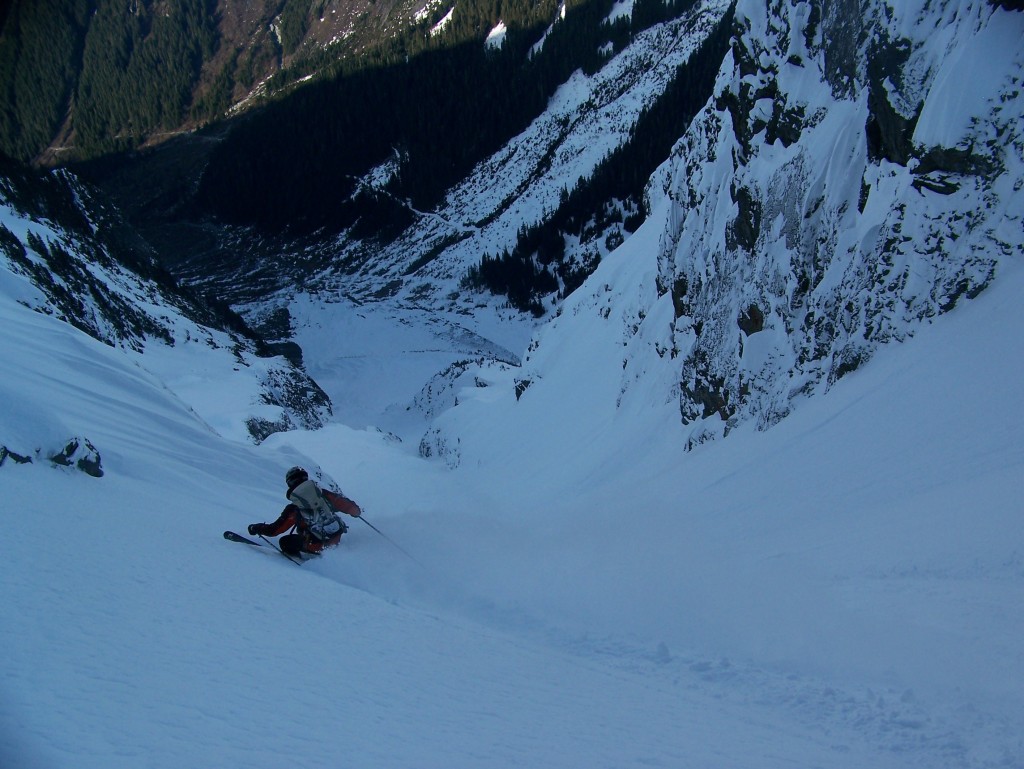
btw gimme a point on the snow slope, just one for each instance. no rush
(571, 580)
(60, 254)
(843, 590)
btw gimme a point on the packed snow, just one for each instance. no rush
(844, 590)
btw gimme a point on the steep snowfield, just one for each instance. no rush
(843, 515)
(843, 590)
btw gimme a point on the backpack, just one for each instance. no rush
(317, 513)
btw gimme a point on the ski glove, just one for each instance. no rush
(257, 528)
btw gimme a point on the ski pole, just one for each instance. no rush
(395, 544)
(278, 549)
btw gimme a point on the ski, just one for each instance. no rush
(230, 535)
(233, 537)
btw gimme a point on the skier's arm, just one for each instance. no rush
(342, 503)
(289, 517)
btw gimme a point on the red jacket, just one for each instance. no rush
(290, 518)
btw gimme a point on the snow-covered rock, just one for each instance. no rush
(857, 172)
(64, 253)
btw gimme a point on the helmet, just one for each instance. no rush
(295, 476)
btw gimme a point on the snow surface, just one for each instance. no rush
(977, 60)
(496, 37)
(440, 26)
(844, 590)
(568, 583)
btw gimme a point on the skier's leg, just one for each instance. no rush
(291, 544)
(314, 545)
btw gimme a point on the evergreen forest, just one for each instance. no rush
(114, 72)
(436, 108)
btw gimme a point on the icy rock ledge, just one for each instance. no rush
(77, 452)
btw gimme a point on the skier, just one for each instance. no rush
(313, 513)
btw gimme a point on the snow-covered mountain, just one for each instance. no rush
(581, 577)
(843, 590)
(855, 174)
(520, 186)
(858, 171)
(421, 255)
(82, 265)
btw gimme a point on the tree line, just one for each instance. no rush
(118, 70)
(41, 45)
